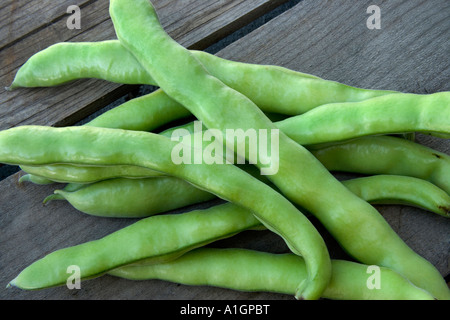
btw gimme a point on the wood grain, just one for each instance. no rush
(409, 53)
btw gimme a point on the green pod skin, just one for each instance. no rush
(86, 145)
(272, 88)
(256, 271)
(181, 75)
(393, 189)
(153, 240)
(132, 198)
(393, 156)
(139, 198)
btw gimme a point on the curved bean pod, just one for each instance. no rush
(132, 198)
(272, 88)
(155, 239)
(148, 196)
(255, 271)
(86, 145)
(403, 190)
(389, 114)
(393, 156)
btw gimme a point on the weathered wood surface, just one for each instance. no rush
(330, 39)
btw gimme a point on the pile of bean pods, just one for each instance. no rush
(117, 165)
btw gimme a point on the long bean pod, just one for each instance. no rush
(256, 271)
(155, 239)
(272, 88)
(134, 198)
(389, 114)
(393, 156)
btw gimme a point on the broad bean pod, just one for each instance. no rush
(153, 240)
(135, 198)
(389, 114)
(402, 190)
(132, 198)
(272, 88)
(393, 156)
(256, 271)
(86, 145)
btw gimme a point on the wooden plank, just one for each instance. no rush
(304, 39)
(194, 23)
(331, 40)
(19, 18)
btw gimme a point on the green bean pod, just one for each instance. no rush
(139, 198)
(387, 155)
(272, 88)
(86, 145)
(403, 190)
(389, 114)
(153, 240)
(256, 271)
(132, 198)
